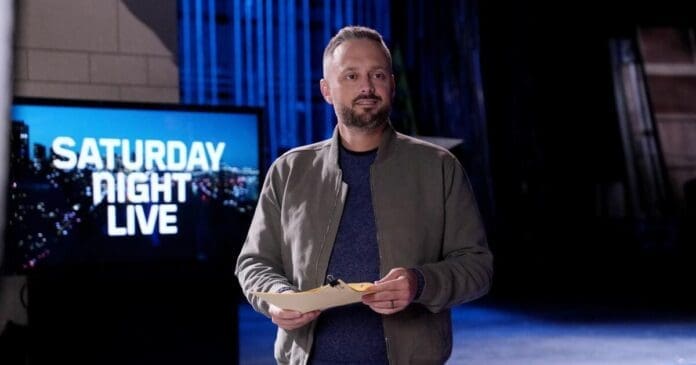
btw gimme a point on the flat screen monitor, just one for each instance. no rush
(95, 183)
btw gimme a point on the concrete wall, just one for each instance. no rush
(97, 49)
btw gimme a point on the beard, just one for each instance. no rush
(369, 120)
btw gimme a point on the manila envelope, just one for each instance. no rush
(327, 296)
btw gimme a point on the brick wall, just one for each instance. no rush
(96, 49)
(669, 55)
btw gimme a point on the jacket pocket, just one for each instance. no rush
(419, 336)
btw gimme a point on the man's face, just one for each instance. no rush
(359, 84)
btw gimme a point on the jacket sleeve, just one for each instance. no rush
(259, 265)
(466, 269)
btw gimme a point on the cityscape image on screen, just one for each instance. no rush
(123, 183)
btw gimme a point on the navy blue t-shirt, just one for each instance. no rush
(353, 334)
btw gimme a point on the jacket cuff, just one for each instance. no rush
(420, 279)
(429, 291)
(281, 287)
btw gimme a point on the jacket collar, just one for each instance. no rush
(384, 150)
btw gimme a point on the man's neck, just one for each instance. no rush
(358, 140)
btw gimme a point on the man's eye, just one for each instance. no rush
(380, 76)
(351, 76)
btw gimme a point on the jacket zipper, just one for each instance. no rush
(324, 243)
(310, 333)
(379, 247)
(386, 342)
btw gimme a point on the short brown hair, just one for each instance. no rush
(350, 33)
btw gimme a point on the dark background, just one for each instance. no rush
(537, 145)
(554, 138)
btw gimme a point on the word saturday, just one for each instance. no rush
(148, 154)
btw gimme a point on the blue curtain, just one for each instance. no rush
(267, 54)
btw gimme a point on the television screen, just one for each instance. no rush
(110, 183)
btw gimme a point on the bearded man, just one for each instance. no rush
(367, 205)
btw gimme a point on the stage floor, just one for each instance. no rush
(488, 334)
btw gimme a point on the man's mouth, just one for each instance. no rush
(366, 101)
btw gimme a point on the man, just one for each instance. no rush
(372, 205)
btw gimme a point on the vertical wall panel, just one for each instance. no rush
(272, 94)
(186, 55)
(282, 71)
(294, 138)
(249, 64)
(307, 71)
(328, 25)
(260, 54)
(200, 54)
(212, 31)
(349, 12)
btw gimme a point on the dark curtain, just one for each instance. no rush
(436, 51)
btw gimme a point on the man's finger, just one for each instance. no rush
(397, 283)
(385, 297)
(391, 275)
(296, 322)
(387, 307)
(283, 313)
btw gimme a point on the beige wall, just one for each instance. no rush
(97, 49)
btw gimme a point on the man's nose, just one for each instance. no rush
(367, 86)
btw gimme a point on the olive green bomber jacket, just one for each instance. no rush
(426, 218)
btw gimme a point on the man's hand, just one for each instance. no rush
(290, 320)
(392, 293)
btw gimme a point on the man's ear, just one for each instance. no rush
(393, 85)
(325, 92)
